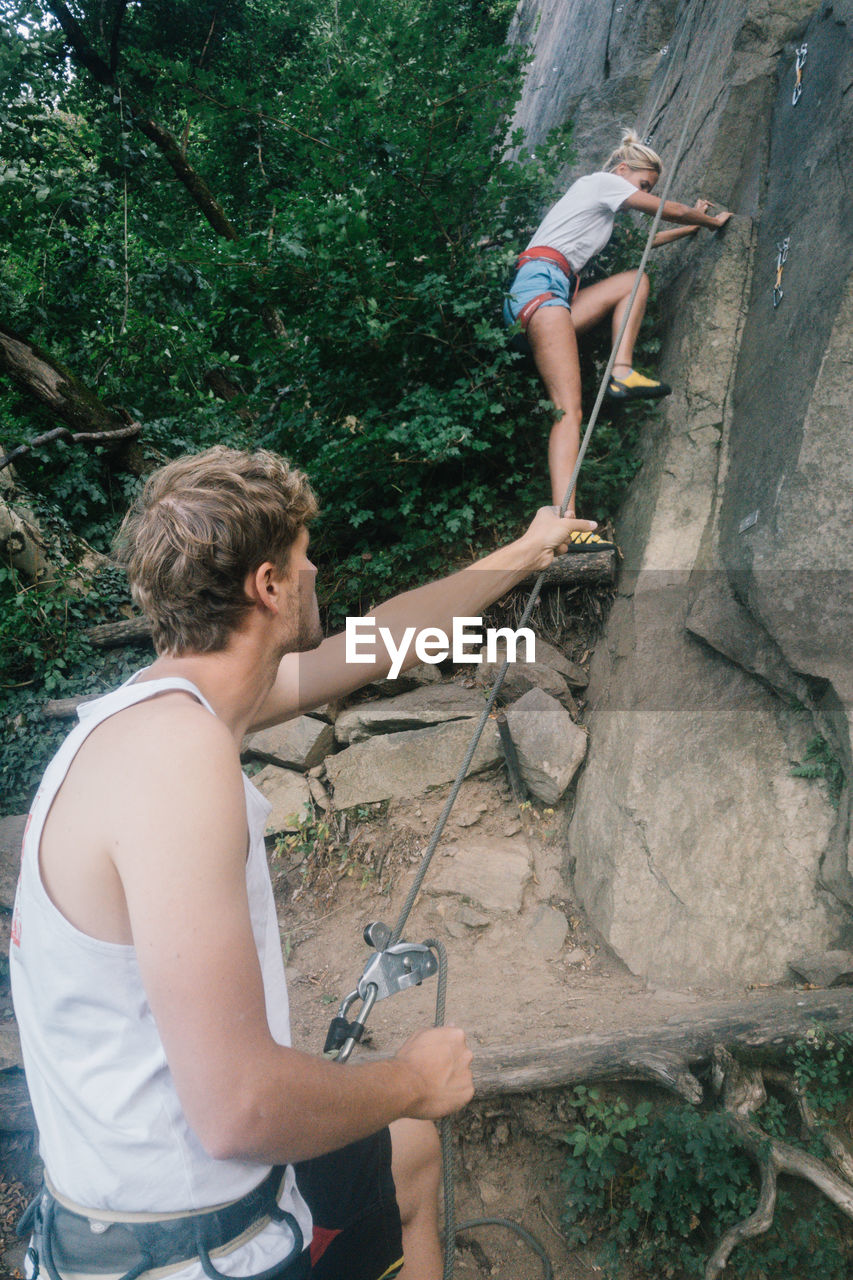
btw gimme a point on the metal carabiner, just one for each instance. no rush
(802, 53)
(781, 259)
(368, 1001)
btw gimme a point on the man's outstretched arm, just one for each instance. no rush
(307, 680)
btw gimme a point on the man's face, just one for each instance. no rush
(301, 613)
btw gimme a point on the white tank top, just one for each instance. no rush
(113, 1134)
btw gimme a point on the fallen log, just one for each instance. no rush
(112, 635)
(664, 1054)
(65, 708)
(578, 569)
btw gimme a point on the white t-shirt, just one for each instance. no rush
(581, 223)
(113, 1133)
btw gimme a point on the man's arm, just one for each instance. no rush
(307, 680)
(181, 862)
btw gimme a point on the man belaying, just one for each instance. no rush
(146, 960)
(546, 298)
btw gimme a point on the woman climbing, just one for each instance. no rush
(546, 300)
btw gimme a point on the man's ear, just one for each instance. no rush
(263, 586)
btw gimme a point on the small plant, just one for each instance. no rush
(823, 1066)
(312, 841)
(821, 763)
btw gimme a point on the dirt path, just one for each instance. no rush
(510, 983)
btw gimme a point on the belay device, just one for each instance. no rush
(389, 970)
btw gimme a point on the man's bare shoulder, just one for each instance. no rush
(167, 740)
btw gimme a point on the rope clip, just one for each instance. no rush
(802, 52)
(390, 969)
(781, 259)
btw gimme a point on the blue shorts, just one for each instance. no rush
(532, 280)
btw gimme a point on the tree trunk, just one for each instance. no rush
(54, 387)
(21, 543)
(665, 1053)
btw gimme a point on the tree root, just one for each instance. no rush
(742, 1091)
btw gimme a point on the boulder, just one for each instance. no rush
(547, 932)
(11, 838)
(521, 677)
(296, 744)
(549, 745)
(420, 674)
(289, 794)
(409, 763)
(552, 657)
(546, 655)
(426, 705)
(828, 969)
(490, 874)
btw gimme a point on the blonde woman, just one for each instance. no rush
(546, 299)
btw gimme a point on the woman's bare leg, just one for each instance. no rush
(551, 334)
(611, 296)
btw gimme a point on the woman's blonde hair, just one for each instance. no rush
(635, 154)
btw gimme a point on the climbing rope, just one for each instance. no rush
(451, 1227)
(671, 52)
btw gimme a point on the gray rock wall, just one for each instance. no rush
(696, 852)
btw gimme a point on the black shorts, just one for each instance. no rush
(357, 1233)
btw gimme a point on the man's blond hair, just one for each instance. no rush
(200, 525)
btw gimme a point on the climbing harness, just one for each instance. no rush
(781, 259)
(393, 937)
(802, 54)
(67, 1237)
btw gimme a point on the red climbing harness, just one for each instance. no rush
(538, 253)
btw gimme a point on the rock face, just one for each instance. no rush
(695, 851)
(432, 704)
(407, 764)
(296, 744)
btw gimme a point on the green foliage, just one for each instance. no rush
(659, 1186)
(821, 762)
(823, 1065)
(44, 653)
(362, 167)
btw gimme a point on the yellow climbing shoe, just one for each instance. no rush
(586, 540)
(636, 386)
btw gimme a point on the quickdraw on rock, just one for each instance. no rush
(781, 259)
(802, 53)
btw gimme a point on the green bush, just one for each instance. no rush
(658, 1186)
